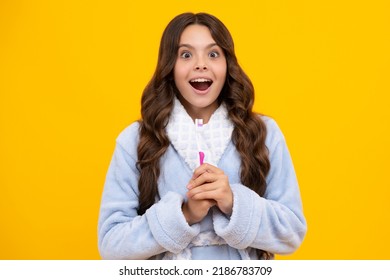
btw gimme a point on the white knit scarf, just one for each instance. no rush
(214, 139)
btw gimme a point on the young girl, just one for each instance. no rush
(200, 176)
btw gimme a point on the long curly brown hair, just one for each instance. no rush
(157, 102)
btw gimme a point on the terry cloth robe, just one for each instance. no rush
(274, 223)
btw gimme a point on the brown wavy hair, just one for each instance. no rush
(157, 102)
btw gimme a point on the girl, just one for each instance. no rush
(177, 189)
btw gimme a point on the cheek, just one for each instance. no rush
(222, 69)
(179, 77)
(222, 73)
(179, 72)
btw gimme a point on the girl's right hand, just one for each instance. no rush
(195, 210)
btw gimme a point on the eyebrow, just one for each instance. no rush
(191, 47)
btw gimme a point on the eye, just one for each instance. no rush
(214, 54)
(185, 55)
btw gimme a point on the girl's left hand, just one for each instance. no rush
(210, 182)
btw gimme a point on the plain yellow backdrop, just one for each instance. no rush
(72, 73)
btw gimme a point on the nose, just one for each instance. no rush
(201, 67)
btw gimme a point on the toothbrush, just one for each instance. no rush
(198, 127)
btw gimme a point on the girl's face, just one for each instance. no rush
(199, 72)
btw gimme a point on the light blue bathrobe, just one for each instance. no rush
(274, 223)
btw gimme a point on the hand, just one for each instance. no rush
(211, 183)
(195, 210)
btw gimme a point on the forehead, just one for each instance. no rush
(196, 34)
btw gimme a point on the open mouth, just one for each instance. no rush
(201, 84)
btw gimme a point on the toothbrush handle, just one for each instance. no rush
(201, 157)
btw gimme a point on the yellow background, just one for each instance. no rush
(71, 77)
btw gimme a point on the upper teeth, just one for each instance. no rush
(200, 80)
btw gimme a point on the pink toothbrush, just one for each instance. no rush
(198, 127)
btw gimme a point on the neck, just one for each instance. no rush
(204, 113)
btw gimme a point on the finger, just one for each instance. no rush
(207, 195)
(209, 191)
(202, 179)
(203, 188)
(206, 167)
(224, 203)
(210, 202)
(203, 202)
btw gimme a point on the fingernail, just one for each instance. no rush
(189, 186)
